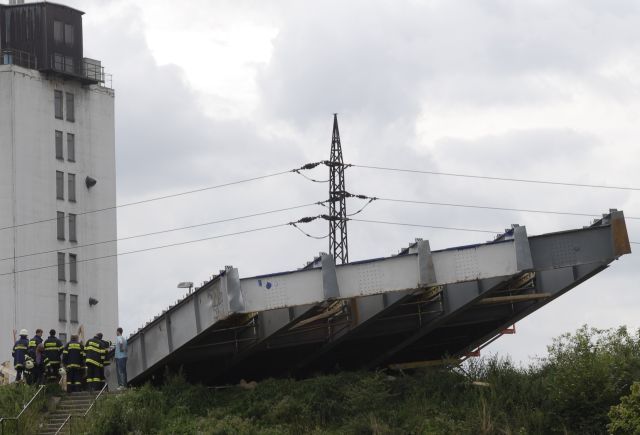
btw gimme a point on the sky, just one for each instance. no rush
(209, 92)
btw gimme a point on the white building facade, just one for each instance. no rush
(58, 264)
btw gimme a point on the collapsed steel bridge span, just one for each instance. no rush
(407, 310)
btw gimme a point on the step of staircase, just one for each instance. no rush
(74, 404)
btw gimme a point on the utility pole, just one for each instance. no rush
(338, 246)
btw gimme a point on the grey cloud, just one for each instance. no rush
(376, 63)
(381, 59)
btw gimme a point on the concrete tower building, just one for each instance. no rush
(57, 171)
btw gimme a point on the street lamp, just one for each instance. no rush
(186, 284)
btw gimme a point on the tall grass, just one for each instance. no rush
(572, 390)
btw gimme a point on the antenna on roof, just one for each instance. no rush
(338, 246)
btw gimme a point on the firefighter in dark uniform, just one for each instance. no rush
(73, 357)
(95, 362)
(52, 356)
(19, 353)
(38, 368)
(108, 353)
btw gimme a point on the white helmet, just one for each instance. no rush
(24, 332)
(61, 371)
(29, 364)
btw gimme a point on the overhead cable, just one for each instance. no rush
(486, 177)
(174, 195)
(169, 230)
(154, 248)
(474, 230)
(486, 207)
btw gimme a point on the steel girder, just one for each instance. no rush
(420, 305)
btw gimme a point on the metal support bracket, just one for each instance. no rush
(143, 351)
(330, 287)
(427, 272)
(234, 290)
(524, 261)
(169, 333)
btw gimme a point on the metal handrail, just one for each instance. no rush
(63, 424)
(4, 420)
(12, 56)
(69, 419)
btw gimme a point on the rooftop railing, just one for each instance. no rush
(87, 70)
(11, 56)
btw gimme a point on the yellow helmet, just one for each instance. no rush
(29, 364)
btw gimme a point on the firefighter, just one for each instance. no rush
(19, 353)
(73, 357)
(38, 368)
(95, 361)
(52, 356)
(108, 352)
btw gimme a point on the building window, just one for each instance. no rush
(61, 267)
(59, 185)
(73, 268)
(68, 67)
(63, 337)
(71, 147)
(60, 222)
(68, 34)
(72, 187)
(72, 227)
(59, 152)
(58, 103)
(62, 308)
(58, 31)
(71, 111)
(73, 311)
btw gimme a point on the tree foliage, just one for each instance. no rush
(582, 386)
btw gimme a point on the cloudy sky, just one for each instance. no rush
(214, 91)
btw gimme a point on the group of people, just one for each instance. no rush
(37, 361)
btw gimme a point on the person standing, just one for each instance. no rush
(19, 353)
(38, 366)
(121, 359)
(73, 357)
(108, 348)
(95, 360)
(52, 356)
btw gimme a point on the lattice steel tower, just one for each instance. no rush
(338, 246)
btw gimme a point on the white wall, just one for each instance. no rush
(27, 128)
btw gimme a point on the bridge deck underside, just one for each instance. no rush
(370, 314)
(417, 326)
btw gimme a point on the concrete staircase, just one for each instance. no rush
(74, 404)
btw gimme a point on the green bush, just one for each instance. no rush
(625, 417)
(13, 397)
(577, 389)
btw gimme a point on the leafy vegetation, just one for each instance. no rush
(584, 386)
(13, 398)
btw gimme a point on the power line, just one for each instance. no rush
(437, 227)
(474, 230)
(175, 195)
(154, 248)
(485, 177)
(486, 207)
(169, 230)
(303, 220)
